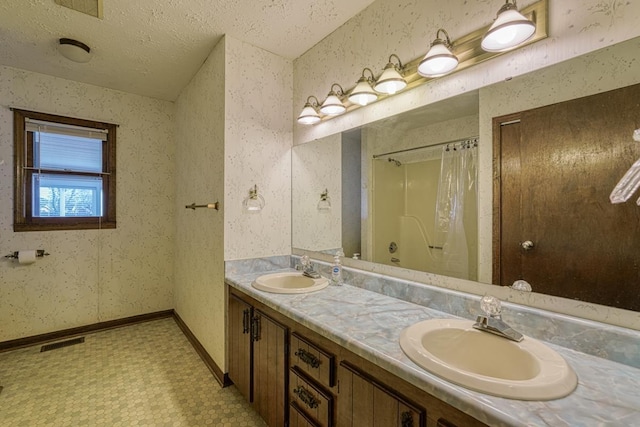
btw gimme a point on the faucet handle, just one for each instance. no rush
(305, 261)
(491, 306)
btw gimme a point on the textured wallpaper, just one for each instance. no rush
(199, 260)
(257, 151)
(407, 27)
(95, 275)
(317, 166)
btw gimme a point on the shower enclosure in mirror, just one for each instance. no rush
(408, 192)
(378, 204)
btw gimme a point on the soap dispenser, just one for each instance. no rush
(336, 269)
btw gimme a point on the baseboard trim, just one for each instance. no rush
(221, 377)
(67, 333)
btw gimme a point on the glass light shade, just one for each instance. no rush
(363, 93)
(509, 30)
(325, 201)
(309, 115)
(438, 61)
(254, 202)
(391, 81)
(332, 105)
(324, 205)
(74, 50)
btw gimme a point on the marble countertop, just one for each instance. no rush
(369, 324)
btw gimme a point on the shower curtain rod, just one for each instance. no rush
(470, 139)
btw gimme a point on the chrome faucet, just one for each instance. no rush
(492, 322)
(307, 268)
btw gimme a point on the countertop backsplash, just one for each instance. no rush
(606, 341)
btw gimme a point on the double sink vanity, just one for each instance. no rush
(310, 354)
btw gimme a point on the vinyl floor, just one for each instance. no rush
(146, 374)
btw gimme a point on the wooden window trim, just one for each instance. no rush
(22, 178)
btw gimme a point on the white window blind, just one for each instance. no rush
(69, 153)
(32, 125)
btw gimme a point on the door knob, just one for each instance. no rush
(527, 245)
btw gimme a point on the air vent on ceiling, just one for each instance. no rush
(89, 7)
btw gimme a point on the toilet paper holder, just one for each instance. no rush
(39, 254)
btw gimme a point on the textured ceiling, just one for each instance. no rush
(154, 47)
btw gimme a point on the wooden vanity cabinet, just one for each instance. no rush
(364, 402)
(258, 359)
(239, 327)
(314, 382)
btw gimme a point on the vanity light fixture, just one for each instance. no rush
(363, 93)
(509, 29)
(439, 60)
(391, 80)
(309, 114)
(254, 202)
(325, 201)
(74, 50)
(332, 106)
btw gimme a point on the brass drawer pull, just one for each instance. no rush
(306, 396)
(308, 358)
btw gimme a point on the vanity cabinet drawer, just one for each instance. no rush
(297, 418)
(312, 360)
(309, 399)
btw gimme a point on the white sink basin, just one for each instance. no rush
(455, 351)
(289, 283)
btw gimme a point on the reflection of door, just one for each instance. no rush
(555, 167)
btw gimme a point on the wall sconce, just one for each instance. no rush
(363, 93)
(309, 114)
(509, 29)
(332, 106)
(325, 201)
(391, 80)
(254, 202)
(439, 60)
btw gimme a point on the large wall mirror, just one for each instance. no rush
(415, 190)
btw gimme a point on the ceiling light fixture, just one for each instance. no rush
(74, 50)
(309, 114)
(363, 93)
(439, 60)
(332, 105)
(391, 80)
(509, 29)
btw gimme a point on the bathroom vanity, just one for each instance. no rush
(332, 357)
(328, 385)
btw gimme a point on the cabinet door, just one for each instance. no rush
(363, 402)
(269, 368)
(239, 322)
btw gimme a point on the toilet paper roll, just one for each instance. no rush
(26, 257)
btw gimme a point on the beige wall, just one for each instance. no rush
(406, 27)
(95, 275)
(199, 260)
(257, 151)
(229, 137)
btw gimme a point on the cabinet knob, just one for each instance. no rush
(407, 419)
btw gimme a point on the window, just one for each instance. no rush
(65, 173)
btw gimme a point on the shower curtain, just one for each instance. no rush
(457, 183)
